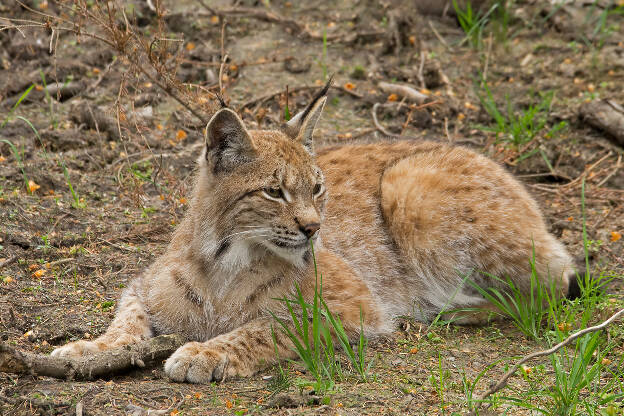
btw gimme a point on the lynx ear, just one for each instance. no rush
(228, 143)
(301, 126)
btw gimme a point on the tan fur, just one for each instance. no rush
(402, 224)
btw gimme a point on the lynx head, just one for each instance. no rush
(259, 192)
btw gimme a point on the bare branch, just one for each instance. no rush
(503, 381)
(103, 364)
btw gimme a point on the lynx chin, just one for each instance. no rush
(396, 228)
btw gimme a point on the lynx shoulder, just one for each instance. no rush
(397, 229)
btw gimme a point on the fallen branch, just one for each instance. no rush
(106, 363)
(404, 91)
(607, 116)
(503, 381)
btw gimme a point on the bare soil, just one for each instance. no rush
(129, 152)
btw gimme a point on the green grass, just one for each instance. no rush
(19, 162)
(322, 61)
(19, 101)
(76, 203)
(606, 24)
(314, 331)
(517, 128)
(526, 310)
(582, 383)
(53, 121)
(474, 23)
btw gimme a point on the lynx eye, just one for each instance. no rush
(274, 193)
(317, 189)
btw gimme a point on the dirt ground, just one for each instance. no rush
(107, 195)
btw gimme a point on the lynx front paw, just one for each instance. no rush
(76, 349)
(195, 362)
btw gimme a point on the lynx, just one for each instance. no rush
(396, 227)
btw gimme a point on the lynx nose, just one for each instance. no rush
(310, 229)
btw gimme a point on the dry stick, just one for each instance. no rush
(404, 91)
(586, 171)
(8, 262)
(377, 125)
(503, 381)
(610, 175)
(421, 67)
(437, 34)
(106, 363)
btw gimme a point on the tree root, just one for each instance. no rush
(104, 364)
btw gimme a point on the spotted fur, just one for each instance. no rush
(401, 225)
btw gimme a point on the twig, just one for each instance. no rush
(421, 67)
(437, 34)
(586, 171)
(8, 262)
(610, 175)
(377, 125)
(503, 381)
(221, 70)
(446, 130)
(105, 363)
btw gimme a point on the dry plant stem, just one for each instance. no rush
(503, 381)
(421, 67)
(157, 77)
(487, 58)
(106, 363)
(167, 87)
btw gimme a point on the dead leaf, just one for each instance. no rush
(180, 135)
(32, 186)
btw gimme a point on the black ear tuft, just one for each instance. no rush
(320, 94)
(222, 102)
(301, 126)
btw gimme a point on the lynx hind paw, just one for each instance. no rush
(195, 362)
(76, 349)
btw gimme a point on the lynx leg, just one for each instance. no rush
(250, 347)
(130, 326)
(241, 352)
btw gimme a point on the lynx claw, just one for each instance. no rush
(76, 349)
(197, 363)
